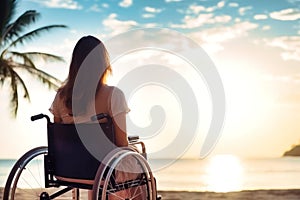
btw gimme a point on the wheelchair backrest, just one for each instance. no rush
(76, 151)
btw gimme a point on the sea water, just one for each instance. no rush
(221, 173)
(227, 173)
(5, 167)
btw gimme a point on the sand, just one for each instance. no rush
(243, 195)
(291, 194)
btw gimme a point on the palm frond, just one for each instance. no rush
(44, 77)
(13, 63)
(15, 28)
(10, 73)
(21, 56)
(7, 11)
(25, 62)
(45, 56)
(3, 71)
(34, 33)
(14, 101)
(15, 81)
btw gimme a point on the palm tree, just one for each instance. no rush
(13, 63)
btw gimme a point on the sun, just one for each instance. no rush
(224, 173)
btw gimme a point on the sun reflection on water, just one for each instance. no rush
(224, 173)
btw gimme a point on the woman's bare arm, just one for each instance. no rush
(120, 130)
(57, 120)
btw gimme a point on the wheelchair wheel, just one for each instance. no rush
(126, 175)
(27, 180)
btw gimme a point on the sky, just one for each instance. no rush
(254, 44)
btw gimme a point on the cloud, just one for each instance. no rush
(220, 19)
(289, 14)
(148, 15)
(232, 4)
(198, 15)
(293, 1)
(212, 39)
(221, 4)
(243, 10)
(190, 22)
(105, 5)
(151, 25)
(169, 1)
(237, 20)
(152, 10)
(196, 9)
(231, 32)
(265, 28)
(95, 8)
(290, 46)
(193, 22)
(125, 3)
(67, 4)
(117, 26)
(260, 17)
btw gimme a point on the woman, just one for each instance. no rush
(85, 93)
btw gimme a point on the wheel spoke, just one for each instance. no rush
(138, 194)
(34, 177)
(26, 182)
(115, 195)
(121, 182)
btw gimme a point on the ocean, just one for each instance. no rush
(226, 173)
(222, 173)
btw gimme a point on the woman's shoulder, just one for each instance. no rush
(57, 104)
(58, 96)
(113, 90)
(117, 101)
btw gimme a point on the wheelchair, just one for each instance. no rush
(48, 172)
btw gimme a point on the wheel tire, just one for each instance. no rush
(126, 175)
(27, 180)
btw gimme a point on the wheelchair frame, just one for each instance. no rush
(104, 183)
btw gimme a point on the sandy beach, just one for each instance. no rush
(290, 194)
(243, 195)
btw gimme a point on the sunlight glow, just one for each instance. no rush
(224, 174)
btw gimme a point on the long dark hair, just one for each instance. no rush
(84, 92)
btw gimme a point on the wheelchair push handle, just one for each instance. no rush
(40, 116)
(93, 118)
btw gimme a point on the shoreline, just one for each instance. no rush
(264, 194)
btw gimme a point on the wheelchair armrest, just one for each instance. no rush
(133, 138)
(134, 142)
